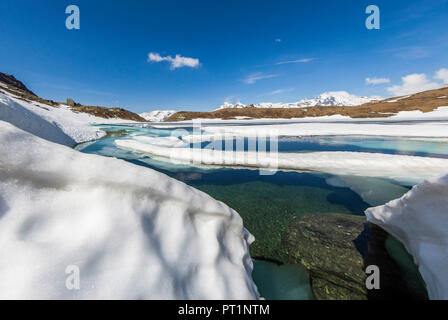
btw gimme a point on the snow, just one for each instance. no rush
(399, 98)
(157, 115)
(420, 221)
(229, 105)
(418, 130)
(441, 113)
(134, 233)
(335, 98)
(29, 121)
(402, 168)
(56, 124)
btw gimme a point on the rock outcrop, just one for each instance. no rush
(337, 248)
(12, 81)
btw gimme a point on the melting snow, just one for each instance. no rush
(420, 221)
(134, 233)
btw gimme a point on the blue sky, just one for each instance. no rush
(241, 47)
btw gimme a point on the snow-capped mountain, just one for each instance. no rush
(228, 105)
(157, 115)
(335, 98)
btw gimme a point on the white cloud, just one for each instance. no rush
(442, 74)
(305, 60)
(177, 62)
(279, 91)
(155, 57)
(375, 81)
(254, 77)
(278, 40)
(413, 83)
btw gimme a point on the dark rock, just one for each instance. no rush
(331, 247)
(395, 283)
(12, 81)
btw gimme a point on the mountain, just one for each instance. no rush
(335, 98)
(228, 105)
(157, 115)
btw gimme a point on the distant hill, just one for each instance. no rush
(423, 101)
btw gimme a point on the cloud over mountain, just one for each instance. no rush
(375, 81)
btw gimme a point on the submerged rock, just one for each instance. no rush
(332, 248)
(326, 290)
(336, 248)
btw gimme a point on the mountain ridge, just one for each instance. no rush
(330, 98)
(157, 115)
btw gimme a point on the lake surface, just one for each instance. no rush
(268, 203)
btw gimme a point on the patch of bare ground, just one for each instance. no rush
(425, 101)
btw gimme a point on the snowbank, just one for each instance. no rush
(133, 233)
(427, 130)
(16, 114)
(420, 221)
(56, 124)
(399, 167)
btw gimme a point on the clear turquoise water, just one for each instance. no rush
(387, 145)
(282, 282)
(268, 203)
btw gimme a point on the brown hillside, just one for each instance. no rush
(108, 113)
(424, 101)
(17, 88)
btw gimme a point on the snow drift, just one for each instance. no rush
(21, 117)
(213, 132)
(134, 233)
(420, 221)
(399, 167)
(57, 124)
